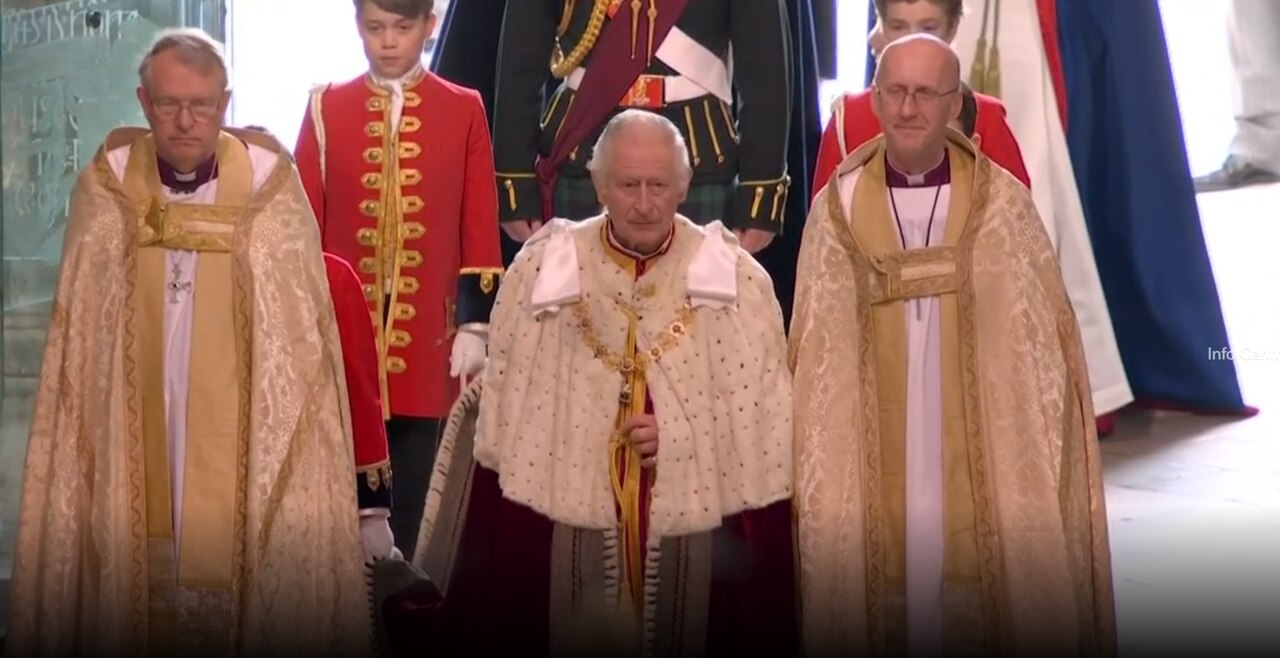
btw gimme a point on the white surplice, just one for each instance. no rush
(1028, 94)
(180, 291)
(925, 524)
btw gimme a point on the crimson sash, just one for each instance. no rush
(612, 72)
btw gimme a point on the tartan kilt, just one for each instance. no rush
(575, 199)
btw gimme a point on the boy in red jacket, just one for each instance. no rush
(852, 122)
(398, 166)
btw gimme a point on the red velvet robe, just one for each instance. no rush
(499, 594)
(360, 363)
(861, 125)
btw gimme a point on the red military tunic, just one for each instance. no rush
(360, 363)
(861, 125)
(415, 211)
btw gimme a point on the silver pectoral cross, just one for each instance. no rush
(176, 284)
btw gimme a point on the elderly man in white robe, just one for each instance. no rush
(628, 488)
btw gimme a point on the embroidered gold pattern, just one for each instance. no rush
(411, 204)
(410, 258)
(400, 338)
(376, 475)
(626, 365)
(405, 311)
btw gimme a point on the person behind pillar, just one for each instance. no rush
(627, 482)
(398, 166)
(951, 493)
(191, 419)
(1253, 32)
(853, 121)
(718, 69)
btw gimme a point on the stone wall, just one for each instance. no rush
(24, 335)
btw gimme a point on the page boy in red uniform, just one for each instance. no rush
(853, 123)
(398, 165)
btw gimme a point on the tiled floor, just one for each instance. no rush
(1194, 503)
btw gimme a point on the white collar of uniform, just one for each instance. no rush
(397, 84)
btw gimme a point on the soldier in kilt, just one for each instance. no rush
(719, 70)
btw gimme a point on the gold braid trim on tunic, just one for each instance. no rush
(1028, 562)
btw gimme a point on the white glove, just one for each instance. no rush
(468, 354)
(376, 538)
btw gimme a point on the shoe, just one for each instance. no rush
(1235, 173)
(1106, 425)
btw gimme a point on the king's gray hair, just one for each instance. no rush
(627, 118)
(193, 47)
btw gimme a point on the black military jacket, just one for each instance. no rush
(744, 143)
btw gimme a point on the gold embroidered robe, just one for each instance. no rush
(1027, 563)
(270, 559)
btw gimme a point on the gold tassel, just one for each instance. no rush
(653, 19)
(627, 492)
(635, 25)
(992, 81)
(984, 75)
(992, 86)
(978, 72)
(626, 488)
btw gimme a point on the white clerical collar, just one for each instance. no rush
(938, 174)
(399, 83)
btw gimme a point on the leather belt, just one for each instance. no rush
(650, 91)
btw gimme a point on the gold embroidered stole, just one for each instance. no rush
(896, 276)
(193, 586)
